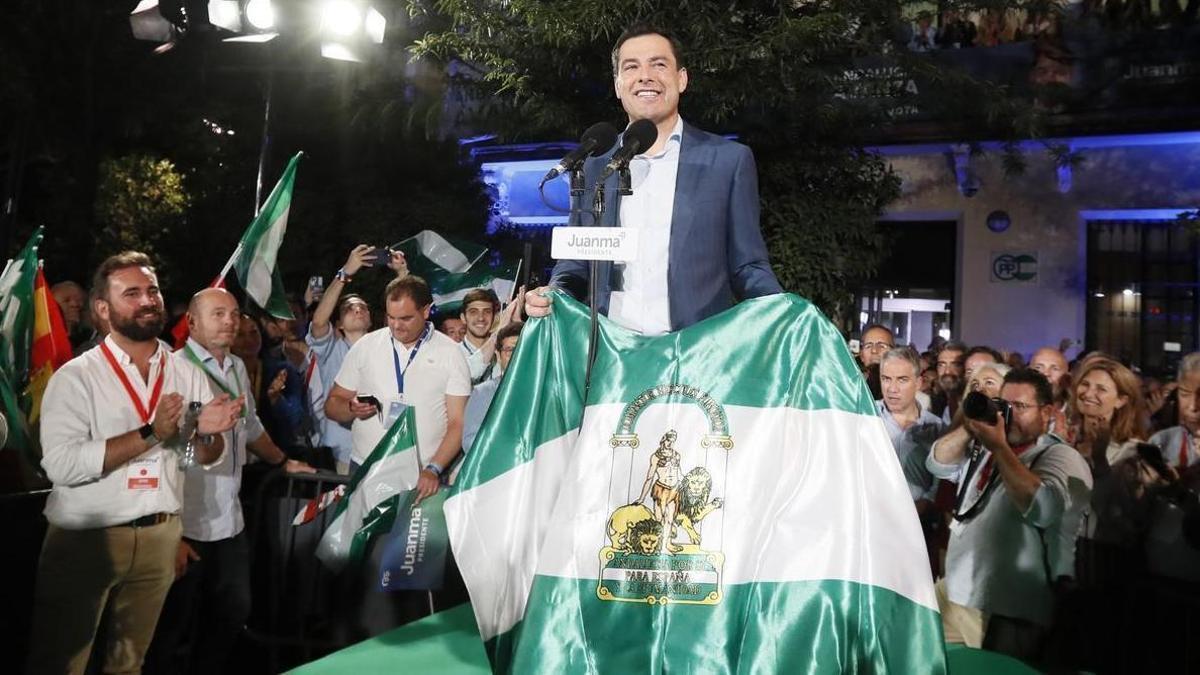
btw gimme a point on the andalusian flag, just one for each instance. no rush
(725, 500)
(16, 311)
(454, 268)
(373, 496)
(257, 255)
(51, 344)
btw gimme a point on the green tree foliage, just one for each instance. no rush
(140, 200)
(805, 83)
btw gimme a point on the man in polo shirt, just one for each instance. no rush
(406, 364)
(107, 419)
(330, 343)
(213, 562)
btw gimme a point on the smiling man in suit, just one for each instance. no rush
(694, 202)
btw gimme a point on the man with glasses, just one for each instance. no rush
(876, 340)
(1020, 495)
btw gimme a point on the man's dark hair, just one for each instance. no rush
(511, 330)
(345, 300)
(480, 295)
(410, 286)
(640, 29)
(984, 349)
(443, 318)
(115, 263)
(954, 346)
(1044, 392)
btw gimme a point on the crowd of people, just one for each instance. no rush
(1058, 497)
(956, 29)
(315, 391)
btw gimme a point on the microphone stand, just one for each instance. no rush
(593, 291)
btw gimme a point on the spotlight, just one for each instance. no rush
(341, 18)
(348, 27)
(225, 14)
(260, 14)
(1127, 292)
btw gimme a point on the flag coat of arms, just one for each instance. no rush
(724, 501)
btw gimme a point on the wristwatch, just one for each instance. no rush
(434, 469)
(341, 276)
(146, 431)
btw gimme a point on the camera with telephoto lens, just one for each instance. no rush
(978, 406)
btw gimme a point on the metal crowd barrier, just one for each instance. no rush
(295, 619)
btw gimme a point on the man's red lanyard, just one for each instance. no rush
(1184, 455)
(987, 467)
(142, 410)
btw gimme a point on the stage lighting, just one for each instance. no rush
(153, 22)
(341, 18)
(260, 14)
(348, 27)
(225, 14)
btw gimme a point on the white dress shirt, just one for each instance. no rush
(480, 368)
(211, 508)
(85, 404)
(643, 304)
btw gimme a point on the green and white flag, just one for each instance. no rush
(257, 255)
(726, 500)
(16, 311)
(454, 268)
(373, 497)
(429, 254)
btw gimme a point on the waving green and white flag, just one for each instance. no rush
(16, 311)
(726, 500)
(256, 259)
(373, 497)
(454, 267)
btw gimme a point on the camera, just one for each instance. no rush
(979, 407)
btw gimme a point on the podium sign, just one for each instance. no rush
(618, 244)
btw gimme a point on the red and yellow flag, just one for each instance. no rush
(51, 344)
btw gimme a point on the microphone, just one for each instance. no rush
(595, 142)
(637, 138)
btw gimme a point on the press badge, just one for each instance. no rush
(395, 410)
(143, 474)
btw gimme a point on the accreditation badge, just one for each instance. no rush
(395, 409)
(144, 473)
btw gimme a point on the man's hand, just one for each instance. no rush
(182, 556)
(296, 466)
(295, 351)
(219, 415)
(513, 311)
(538, 302)
(991, 435)
(1156, 400)
(275, 389)
(362, 410)
(357, 259)
(166, 418)
(427, 485)
(398, 264)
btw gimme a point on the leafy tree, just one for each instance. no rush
(139, 200)
(805, 84)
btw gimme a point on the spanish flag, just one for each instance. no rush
(51, 346)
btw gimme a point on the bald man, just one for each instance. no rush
(213, 564)
(1050, 362)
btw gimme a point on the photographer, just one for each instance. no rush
(1020, 496)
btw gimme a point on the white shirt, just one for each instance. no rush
(994, 561)
(438, 371)
(644, 304)
(480, 368)
(85, 405)
(211, 508)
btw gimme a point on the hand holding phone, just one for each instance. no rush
(364, 406)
